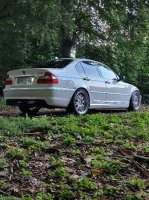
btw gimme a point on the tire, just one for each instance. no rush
(31, 110)
(135, 101)
(80, 103)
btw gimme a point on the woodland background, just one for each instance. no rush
(114, 32)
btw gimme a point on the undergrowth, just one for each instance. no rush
(73, 157)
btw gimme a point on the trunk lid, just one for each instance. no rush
(26, 77)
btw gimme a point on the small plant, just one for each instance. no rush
(2, 103)
(17, 154)
(2, 163)
(86, 184)
(100, 157)
(85, 196)
(145, 149)
(26, 172)
(23, 164)
(129, 145)
(115, 119)
(28, 197)
(112, 191)
(69, 140)
(43, 196)
(97, 150)
(56, 162)
(113, 167)
(132, 197)
(60, 172)
(95, 163)
(89, 138)
(66, 191)
(11, 198)
(108, 135)
(3, 185)
(8, 127)
(73, 151)
(32, 144)
(136, 182)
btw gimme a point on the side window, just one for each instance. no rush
(90, 69)
(79, 68)
(106, 72)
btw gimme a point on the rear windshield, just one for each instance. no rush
(55, 64)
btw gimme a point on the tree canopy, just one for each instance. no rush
(115, 32)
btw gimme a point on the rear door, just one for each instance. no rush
(95, 83)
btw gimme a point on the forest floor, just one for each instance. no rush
(58, 156)
(9, 111)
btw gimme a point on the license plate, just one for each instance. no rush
(25, 80)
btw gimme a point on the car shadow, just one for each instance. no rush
(14, 112)
(63, 113)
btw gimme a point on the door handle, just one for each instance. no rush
(108, 82)
(86, 79)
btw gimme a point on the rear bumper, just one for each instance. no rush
(17, 102)
(51, 97)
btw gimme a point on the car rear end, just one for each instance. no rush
(44, 86)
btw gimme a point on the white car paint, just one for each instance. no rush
(103, 93)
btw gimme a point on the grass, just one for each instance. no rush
(2, 103)
(73, 157)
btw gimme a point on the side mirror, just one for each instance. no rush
(121, 78)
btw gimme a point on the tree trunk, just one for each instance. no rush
(66, 47)
(65, 35)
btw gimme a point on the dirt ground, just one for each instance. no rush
(9, 111)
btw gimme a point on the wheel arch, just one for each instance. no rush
(131, 106)
(76, 91)
(133, 90)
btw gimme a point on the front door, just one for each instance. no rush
(117, 91)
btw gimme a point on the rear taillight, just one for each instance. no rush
(9, 81)
(48, 78)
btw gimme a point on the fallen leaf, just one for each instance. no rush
(127, 153)
(95, 171)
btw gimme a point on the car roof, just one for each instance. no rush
(79, 59)
(72, 60)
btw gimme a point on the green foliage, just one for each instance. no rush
(110, 190)
(66, 191)
(97, 150)
(26, 172)
(32, 144)
(129, 145)
(2, 163)
(28, 35)
(136, 182)
(115, 33)
(17, 153)
(95, 163)
(55, 162)
(13, 126)
(60, 173)
(2, 103)
(69, 140)
(42, 196)
(90, 168)
(3, 185)
(132, 197)
(8, 198)
(86, 184)
(113, 167)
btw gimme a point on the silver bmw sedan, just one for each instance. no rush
(75, 84)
